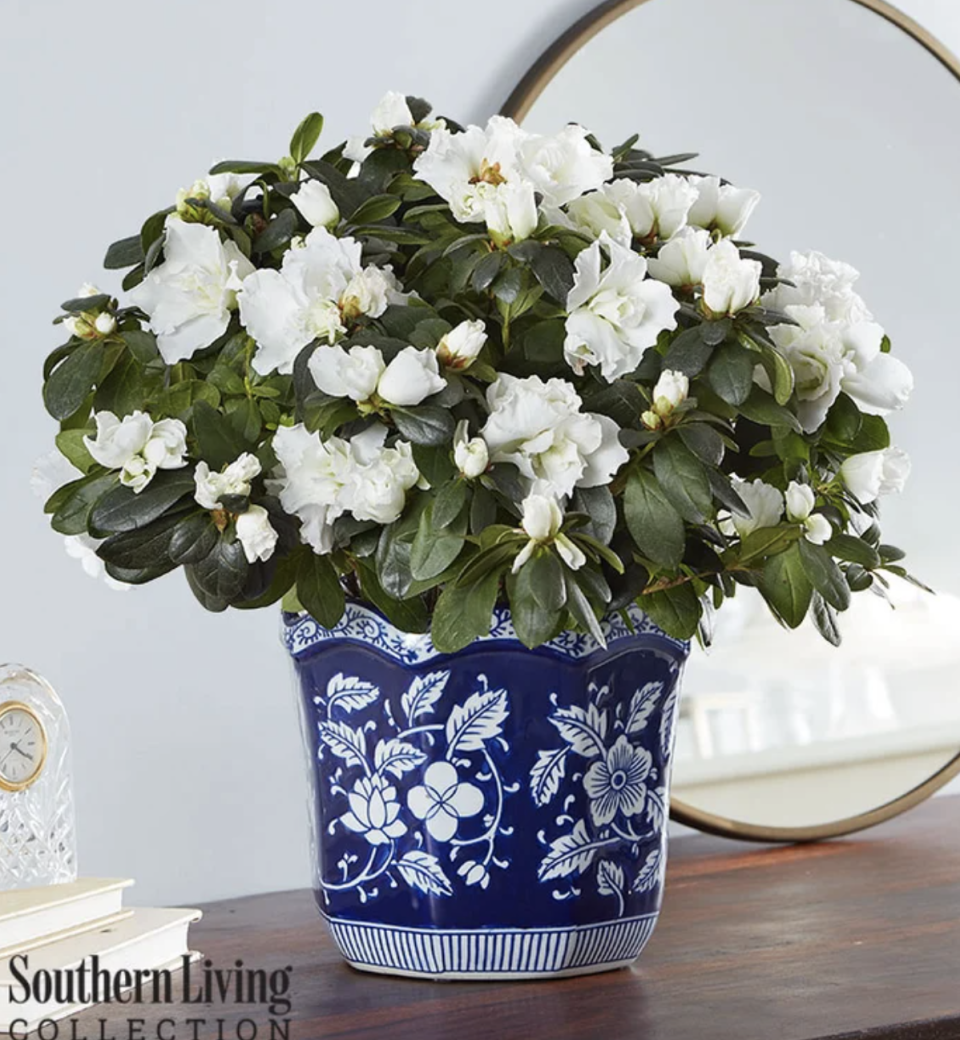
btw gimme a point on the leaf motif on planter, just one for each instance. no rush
(421, 870)
(423, 694)
(350, 694)
(397, 757)
(667, 722)
(656, 806)
(570, 854)
(478, 719)
(582, 730)
(609, 878)
(349, 744)
(546, 775)
(642, 705)
(649, 872)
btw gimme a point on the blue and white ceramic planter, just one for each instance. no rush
(496, 813)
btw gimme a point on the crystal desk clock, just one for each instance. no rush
(37, 828)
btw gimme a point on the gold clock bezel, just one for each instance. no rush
(5, 709)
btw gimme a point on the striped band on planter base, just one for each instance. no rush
(495, 951)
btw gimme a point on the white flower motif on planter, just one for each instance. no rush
(442, 800)
(626, 795)
(451, 774)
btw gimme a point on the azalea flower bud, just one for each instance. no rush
(874, 473)
(671, 390)
(471, 455)
(460, 346)
(256, 534)
(341, 373)
(722, 206)
(541, 517)
(730, 283)
(369, 292)
(136, 473)
(87, 289)
(800, 501)
(315, 203)
(411, 376)
(651, 420)
(105, 323)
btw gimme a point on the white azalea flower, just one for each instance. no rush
(256, 534)
(87, 289)
(470, 454)
(828, 357)
(316, 287)
(721, 206)
(671, 390)
(189, 297)
(341, 373)
(315, 481)
(541, 522)
(682, 260)
(137, 446)
(84, 548)
(765, 503)
(392, 111)
(105, 323)
(595, 213)
(800, 500)
(219, 188)
(234, 480)
(563, 166)
(478, 173)
(656, 208)
(614, 314)
(538, 427)
(730, 283)
(315, 204)
(458, 349)
(819, 282)
(874, 473)
(322, 480)
(381, 484)
(411, 376)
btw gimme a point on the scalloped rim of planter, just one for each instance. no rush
(365, 625)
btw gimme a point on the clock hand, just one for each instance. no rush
(23, 754)
(6, 756)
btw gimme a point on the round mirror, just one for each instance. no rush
(842, 113)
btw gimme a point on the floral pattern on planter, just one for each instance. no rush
(425, 802)
(613, 748)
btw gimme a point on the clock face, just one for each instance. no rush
(23, 747)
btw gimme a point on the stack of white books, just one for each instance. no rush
(66, 947)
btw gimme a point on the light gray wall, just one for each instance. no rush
(189, 772)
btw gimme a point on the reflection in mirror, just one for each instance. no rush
(837, 116)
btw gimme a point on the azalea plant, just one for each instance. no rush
(441, 368)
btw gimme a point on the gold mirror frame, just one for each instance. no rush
(517, 106)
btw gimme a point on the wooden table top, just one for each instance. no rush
(858, 937)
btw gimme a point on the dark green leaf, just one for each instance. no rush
(74, 502)
(655, 525)
(146, 547)
(855, 550)
(553, 269)
(70, 382)
(622, 401)
(222, 573)
(464, 613)
(375, 209)
(761, 408)
(121, 509)
(424, 425)
(533, 623)
(192, 538)
(766, 541)
(543, 342)
(449, 502)
(581, 608)
(825, 620)
(874, 435)
(124, 253)
(70, 445)
(434, 464)
(824, 574)
(436, 546)
(86, 303)
(319, 589)
(278, 232)
(244, 417)
(684, 480)
(142, 345)
(219, 443)
(785, 586)
(409, 615)
(688, 353)
(244, 166)
(483, 510)
(305, 137)
(703, 441)
(543, 575)
(598, 504)
(486, 270)
(725, 493)
(731, 373)
(676, 610)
